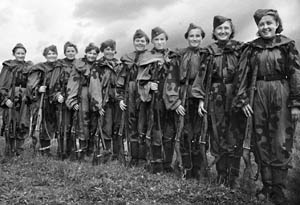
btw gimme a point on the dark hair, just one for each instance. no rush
(90, 47)
(69, 44)
(278, 20)
(202, 33)
(231, 35)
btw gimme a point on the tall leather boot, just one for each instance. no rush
(134, 153)
(19, 148)
(157, 161)
(115, 147)
(82, 148)
(233, 173)
(142, 147)
(45, 146)
(107, 153)
(222, 170)
(168, 149)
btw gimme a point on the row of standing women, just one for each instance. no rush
(146, 95)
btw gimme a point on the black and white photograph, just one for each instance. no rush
(149, 102)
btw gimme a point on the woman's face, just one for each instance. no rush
(51, 56)
(194, 38)
(109, 53)
(223, 31)
(70, 53)
(140, 44)
(20, 54)
(91, 55)
(160, 42)
(267, 27)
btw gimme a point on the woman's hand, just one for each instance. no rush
(201, 110)
(9, 103)
(60, 99)
(122, 105)
(76, 107)
(247, 110)
(180, 110)
(295, 114)
(153, 86)
(101, 112)
(42, 89)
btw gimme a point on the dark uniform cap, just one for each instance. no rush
(259, 13)
(69, 44)
(18, 45)
(157, 31)
(219, 20)
(140, 34)
(90, 47)
(49, 48)
(191, 27)
(108, 43)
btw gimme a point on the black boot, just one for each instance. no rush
(19, 146)
(115, 147)
(234, 165)
(142, 148)
(82, 149)
(45, 148)
(134, 154)
(157, 161)
(168, 149)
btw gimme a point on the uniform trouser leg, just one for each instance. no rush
(169, 124)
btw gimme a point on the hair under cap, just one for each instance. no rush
(191, 27)
(69, 44)
(108, 43)
(90, 47)
(259, 13)
(140, 34)
(219, 20)
(49, 48)
(18, 45)
(157, 31)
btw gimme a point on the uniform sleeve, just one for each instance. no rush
(294, 75)
(120, 82)
(5, 84)
(198, 87)
(242, 80)
(55, 84)
(33, 82)
(171, 91)
(95, 89)
(72, 89)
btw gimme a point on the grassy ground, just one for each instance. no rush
(43, 180)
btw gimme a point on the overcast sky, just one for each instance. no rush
(40, 23)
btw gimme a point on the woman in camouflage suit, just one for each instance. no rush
(276, 100)
(43, 78)
(70, 51)
(78, 99)
(190, 59)
(128, 73)
(103, 95)
(14, 74)
(222, 61)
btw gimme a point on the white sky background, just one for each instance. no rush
(40, 23)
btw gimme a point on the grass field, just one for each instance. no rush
(43, 180)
